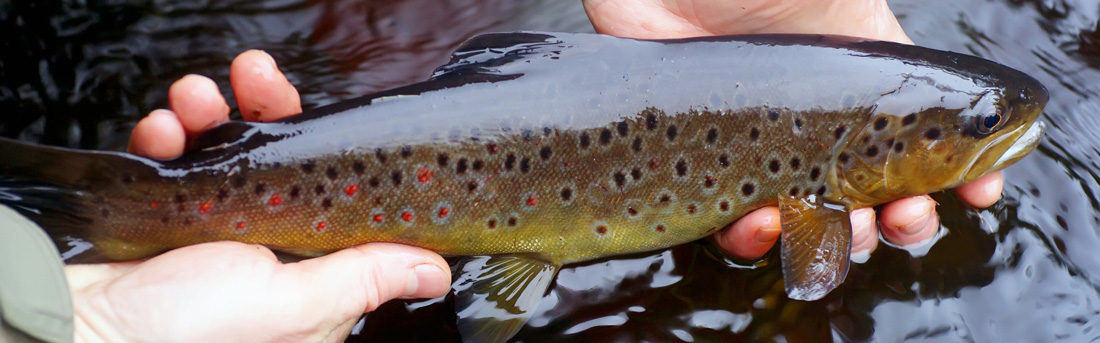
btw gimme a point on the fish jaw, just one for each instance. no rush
(1023, 145)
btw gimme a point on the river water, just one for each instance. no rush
(80, 73)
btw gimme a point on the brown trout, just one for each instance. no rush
(543, 149)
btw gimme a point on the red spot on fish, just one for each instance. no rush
(406, 216)
(204, 208)
(378, 218)
(531, 201)
(424, 175)
(492, 147)
(240, 226)
(443, 212)
(154, 204)
(275, 200)
(351, 189)
(321, 226)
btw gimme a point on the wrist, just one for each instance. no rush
(93, 319)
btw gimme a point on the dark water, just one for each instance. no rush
(1025, 270)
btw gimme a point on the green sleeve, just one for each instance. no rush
(34, 296)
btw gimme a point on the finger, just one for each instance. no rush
(864, 234)
(751, 236)
(909, 221)
(159, 135)
(263, 93)
(375, 273)
(198, 103)
(983, 192)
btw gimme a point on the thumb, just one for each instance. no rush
(366, 276)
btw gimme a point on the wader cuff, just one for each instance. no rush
(35, 304)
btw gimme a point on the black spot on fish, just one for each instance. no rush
(525, 165)
(620, 179)
(319, 189)
(512, 221)
(547, 130)
(748, 188)
(442, 160)
(636, 174)
(691, 209)
(773, 166)
(631, 211)
(660, 229)
(708, 181)
(724, 206)
(653, 164)
(326, 203)
(754, 134)
(492, 223)
(637, 146)
(650, 122)
(239, 182)
(180, 198)
(164, 219)
(681, 168)
(259, 188)
(472, 186)
(712, 136)
(406, 151)
(814, 173)
(380, 155)
(664, 198)
(295, 192)
(773, 114)
(605, 137)
(622, 128)
(478, 164)
(528, 134)
(671, 132)
(331, 173)
(308, 166)
(865, 140)
(601, 230)
(872, 151)
(373, 182)
(793, 192)
(843, 157)
(899, 146)
(909, 119)
(724, 161)
(890, 142)
(933, 133)
(222, 194)
(460, 167)
(880, 123)
(795, 163)
(545, 152)
(821, 191)
(798, 123)
(839, 132)
(396, 177)
(358, 167)
(510, 162)
(585, 140)
(566, 194)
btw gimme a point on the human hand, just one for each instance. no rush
(236, 292)
(904, 222)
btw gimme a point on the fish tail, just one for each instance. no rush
(57, 187)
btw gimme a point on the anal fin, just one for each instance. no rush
(816, 248)
(496, 295)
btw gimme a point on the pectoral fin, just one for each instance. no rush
(496, 295)
(817, 244)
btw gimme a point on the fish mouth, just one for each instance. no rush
(1023, 145)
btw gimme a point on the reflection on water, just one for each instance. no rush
(1025, 270)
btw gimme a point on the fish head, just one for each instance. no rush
(943, 136)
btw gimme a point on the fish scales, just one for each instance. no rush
(542, 149)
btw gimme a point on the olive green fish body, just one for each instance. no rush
(545, 149)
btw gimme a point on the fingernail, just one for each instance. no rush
(916, 226)
(766, 235)
(426, 279)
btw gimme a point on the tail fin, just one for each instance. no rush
(57, 187)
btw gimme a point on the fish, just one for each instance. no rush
(535, 150)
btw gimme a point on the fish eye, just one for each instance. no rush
(991, 120)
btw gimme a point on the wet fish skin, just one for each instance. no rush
(562, 148)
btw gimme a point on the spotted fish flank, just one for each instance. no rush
(534, 150)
